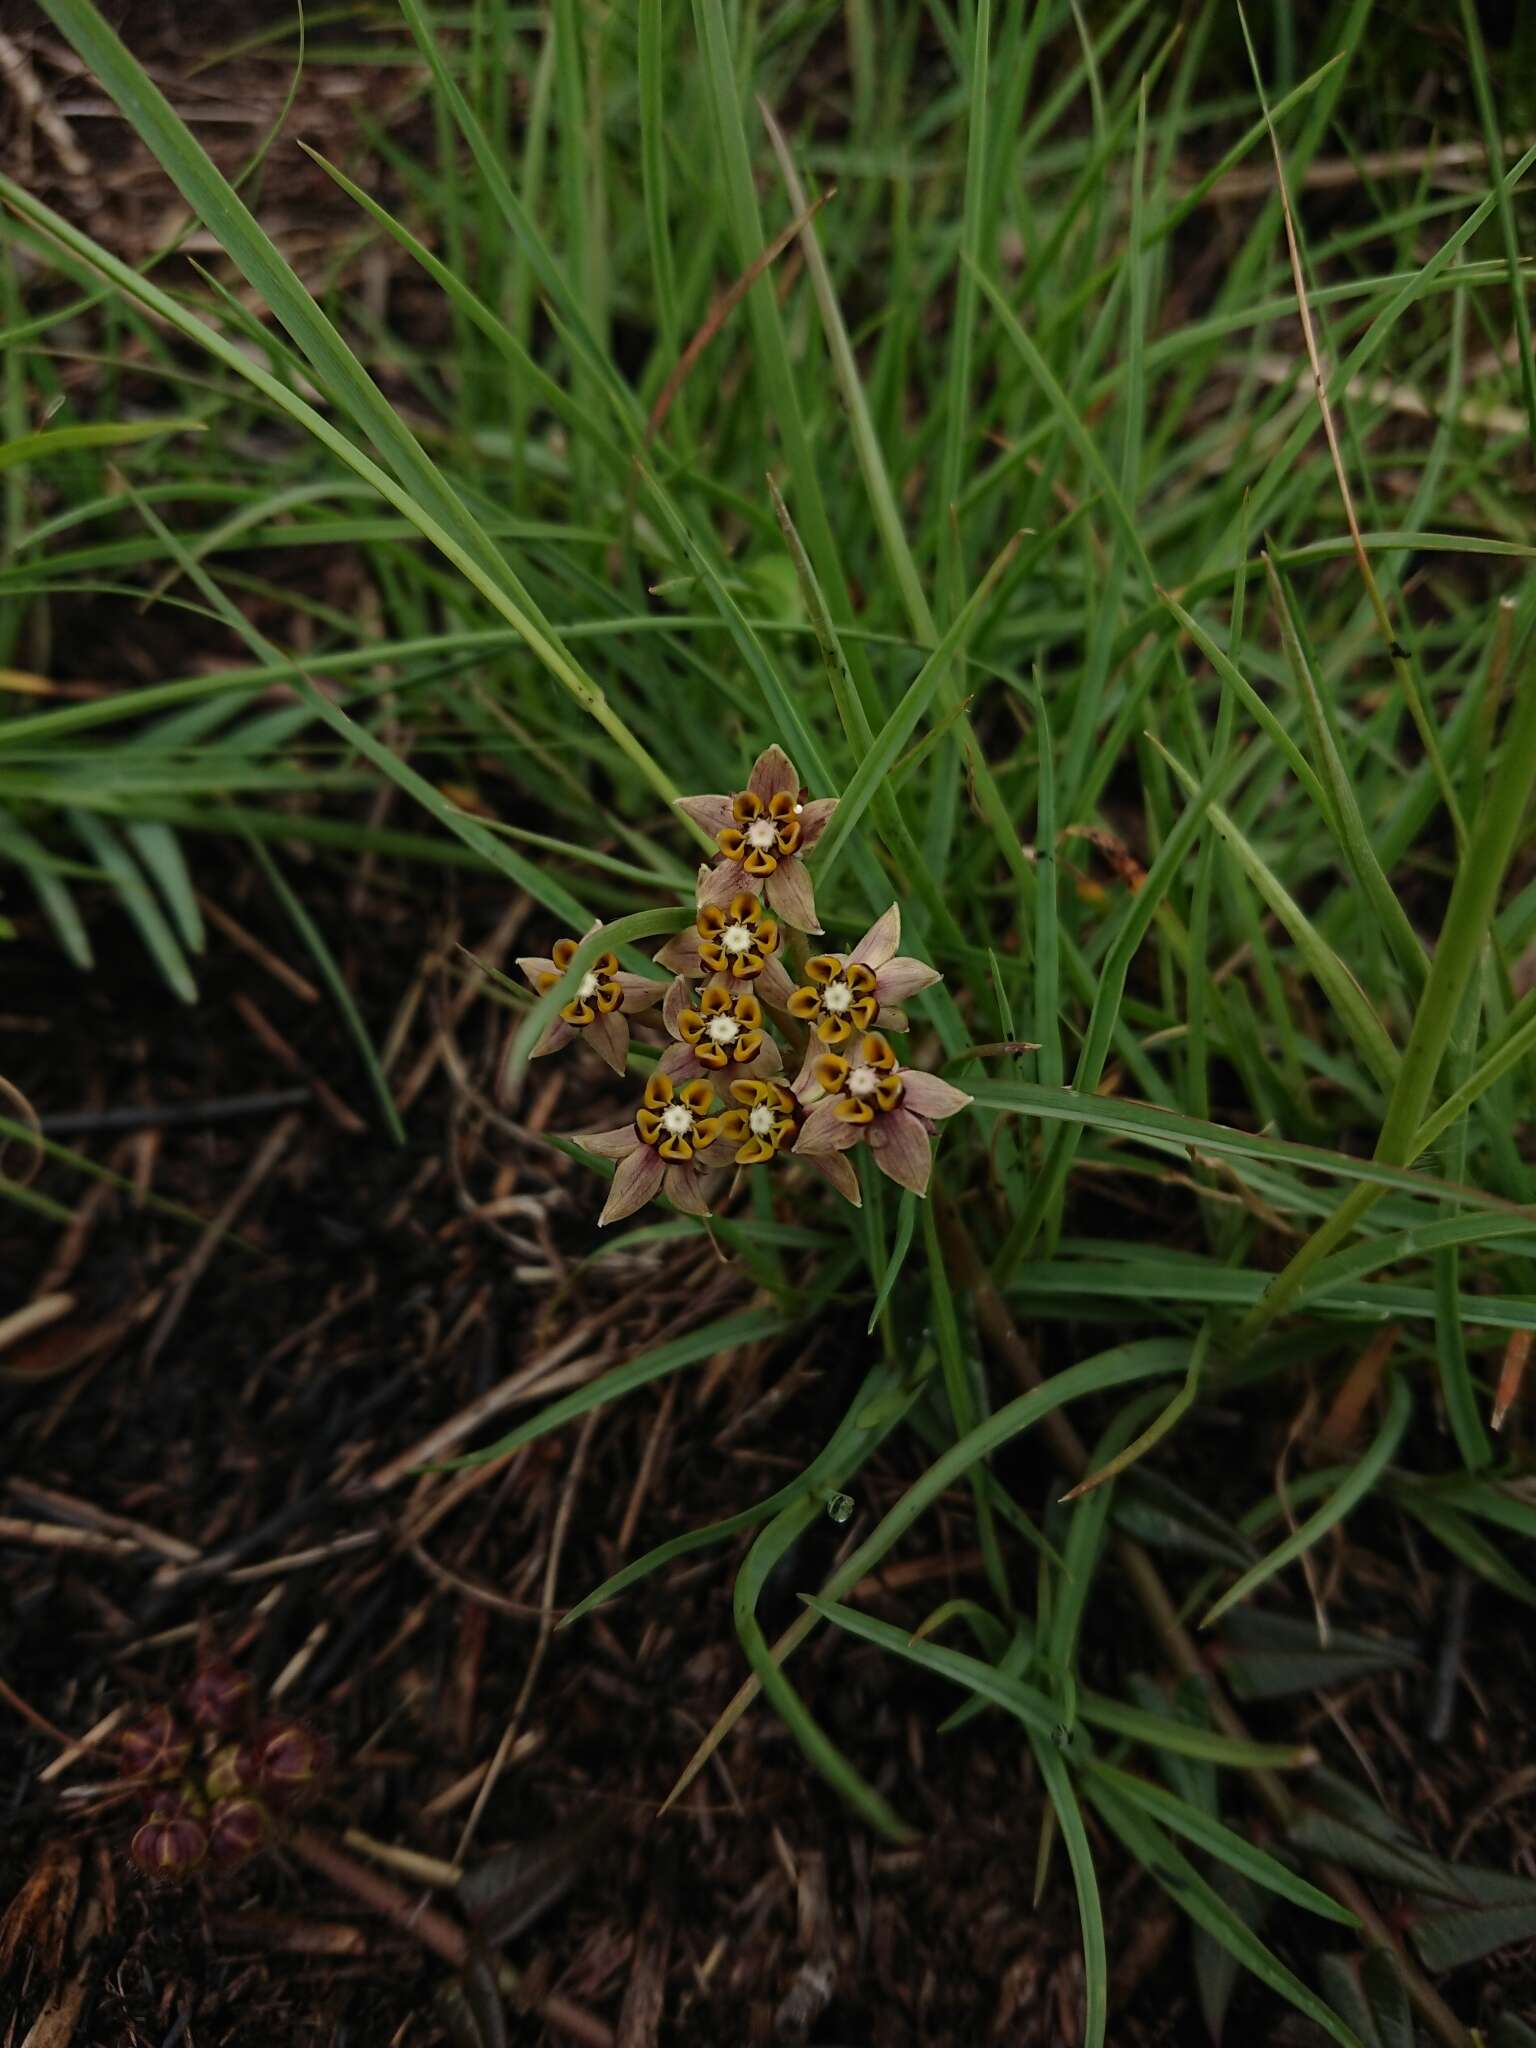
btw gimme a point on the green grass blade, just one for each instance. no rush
(1341, 1502)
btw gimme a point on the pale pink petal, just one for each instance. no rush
(674, 1004)
(899, 979)
(880, 941)
(712, 812)
(726, 879)
(609, 1144)
(766, 1060)
(533, 965)
(681, 954)
(838, 1168)
(556, 1034)
(889, 1018)
(773, 985)
(825, 1131)
(639, 993)
(789, 893)
(899, 1143)
(637, 1182)
(680, 1063)
(686, 1189)
(608, 1036)
(772, 771)
(814, 820)
(805, 1084)
(930, 1096)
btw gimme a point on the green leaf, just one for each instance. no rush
(1220, 1841)
(1344, 1498)
(1192, 1894)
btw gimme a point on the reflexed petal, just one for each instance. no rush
(773, 985)
(673, 1005)
(681, 954)
(608, 1036)
(930, 1096)
(712, 812)
(898, 979)
(685, 1189)
(789, 892)
(557, 1034)
(814, 820)
(773, 770)
(637, 993)
(879, 943)
(534, 967)
(766, 1060)
(637, 1181)
(680, 1063)
(723, 883)
(901, 1149)
(838, 1168)
(892, 1020)
(825, 1131)
(609, 1144)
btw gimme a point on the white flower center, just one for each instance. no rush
(723, 1030)
(737, 939)
(836, 997)
(760, 1121)
(676, 1120)
(762, 835)
(863, 1081)
(587, 988)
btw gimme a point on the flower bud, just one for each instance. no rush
(171, 1840)
(237, 1828)
(286, 1760)
(152, 1747)
(228, 1771)
(218, 1695)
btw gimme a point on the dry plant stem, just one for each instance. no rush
(434, 1930)
(1176, 1643)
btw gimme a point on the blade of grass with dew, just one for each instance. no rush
(854, 1440)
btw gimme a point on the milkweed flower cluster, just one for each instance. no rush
(216, 1776)
(718, 1097)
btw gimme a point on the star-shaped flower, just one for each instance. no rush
(667, 1149)
(733, 947)
(764, 833)
(722, 1030)
(605, 998)
(766, 1123)
(870, 1098)
(862, 990)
